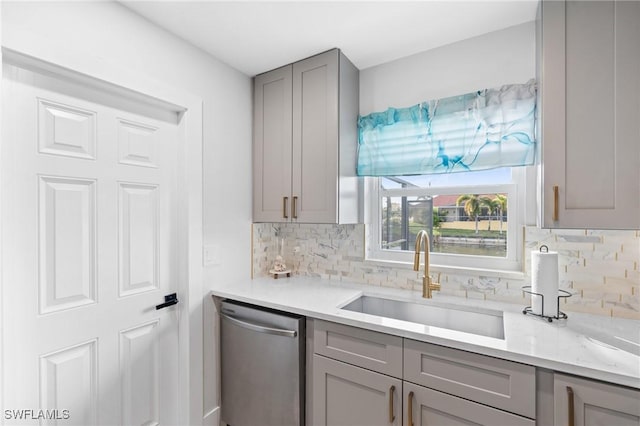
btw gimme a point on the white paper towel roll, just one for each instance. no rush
(544, 280)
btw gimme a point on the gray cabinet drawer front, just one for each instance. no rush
(431, 408)
(368, 349)
(502, 384)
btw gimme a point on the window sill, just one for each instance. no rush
(454, 270)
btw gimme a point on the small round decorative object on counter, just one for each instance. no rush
(276, 274)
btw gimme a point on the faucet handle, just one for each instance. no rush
(435, 285)
(428, 285)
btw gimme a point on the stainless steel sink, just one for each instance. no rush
(483, 322)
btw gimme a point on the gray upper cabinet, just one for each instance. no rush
(589, 74)
(272, 145)
(581, 402)
(305, 142)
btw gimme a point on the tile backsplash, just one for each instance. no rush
(600, 268)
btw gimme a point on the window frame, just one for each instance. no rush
(516, 199)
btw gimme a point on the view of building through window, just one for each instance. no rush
(473, 224)
(458, 223)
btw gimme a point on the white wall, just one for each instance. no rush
(109, 33)
(490, 60)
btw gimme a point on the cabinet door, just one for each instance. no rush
(591, 403)
(424, 406)
(315, 139)
(590, 106)
(347, 395)
(272, 146)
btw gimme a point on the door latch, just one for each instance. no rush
(169, 300)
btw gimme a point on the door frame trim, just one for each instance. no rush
(94, 72)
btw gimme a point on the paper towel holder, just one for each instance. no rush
(563, 295)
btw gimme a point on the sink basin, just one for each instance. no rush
(482, 321)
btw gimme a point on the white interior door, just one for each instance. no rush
(89, 245)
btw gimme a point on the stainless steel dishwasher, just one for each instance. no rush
(262, 363)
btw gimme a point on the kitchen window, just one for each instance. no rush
(474, 219)
(455, 167)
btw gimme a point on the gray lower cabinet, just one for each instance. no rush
(583, 402)
(363, 377)
(348, 395)
(424, 406)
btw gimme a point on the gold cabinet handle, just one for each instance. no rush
(285, 200)
(556, 197)
(392, 417)
(410, 409)
(571, 408)
(294, 209)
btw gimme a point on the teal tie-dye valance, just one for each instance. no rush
(482, 130)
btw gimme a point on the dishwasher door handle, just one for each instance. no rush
(260, 328)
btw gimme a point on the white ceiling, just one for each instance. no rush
(257, 36)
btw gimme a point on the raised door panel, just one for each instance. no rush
(69, 385)
(272, 146)
(137, 144)
(347, 395)
(590, 108)
(315, 138)
(67, 243)
(66, 130)
(139, 374)
(593, 403)
(423, 406)
(138, 238)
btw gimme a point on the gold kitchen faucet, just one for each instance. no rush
(428, 286)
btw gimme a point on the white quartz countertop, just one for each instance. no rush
(592, 346)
